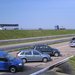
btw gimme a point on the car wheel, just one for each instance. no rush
(13, 69)
(45, 59)
(56, 54)
(24, 60)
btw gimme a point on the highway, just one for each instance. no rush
(30, 44)
(31, 67)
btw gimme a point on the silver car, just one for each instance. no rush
(32, 55)
(72, 43)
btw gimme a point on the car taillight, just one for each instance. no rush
(17, 56)
(72, 43)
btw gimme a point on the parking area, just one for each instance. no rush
(31, 67)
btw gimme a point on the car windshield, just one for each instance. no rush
(9, 57)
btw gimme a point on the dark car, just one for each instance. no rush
(47, 49)
(73, 38)
(8, 62)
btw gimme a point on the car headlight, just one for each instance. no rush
(20, 64)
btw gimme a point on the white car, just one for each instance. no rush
(72, 43)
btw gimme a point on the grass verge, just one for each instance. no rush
(17, 34)
(72, 62)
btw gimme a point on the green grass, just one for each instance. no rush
(72, 62)
(17, 34)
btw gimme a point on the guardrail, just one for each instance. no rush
(32, 44)
(36, 38)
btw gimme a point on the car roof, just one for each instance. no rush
(2, 53)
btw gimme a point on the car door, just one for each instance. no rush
(37, 56)
(3, 64)
(28, 55)
(48, 50)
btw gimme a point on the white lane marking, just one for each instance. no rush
(5, 73)
(62, 46)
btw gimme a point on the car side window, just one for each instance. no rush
(37, 48)
(42, 48)
(22, 53)
(2, 59)
(28, 53)
(46, 47)
(35, 53)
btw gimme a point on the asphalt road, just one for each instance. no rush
(31, 67)
(32, 43)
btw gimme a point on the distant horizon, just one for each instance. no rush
(37, 28)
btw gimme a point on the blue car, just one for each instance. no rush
(8, 62)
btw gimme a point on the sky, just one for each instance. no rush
(35, 14)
